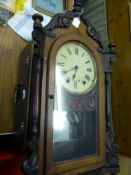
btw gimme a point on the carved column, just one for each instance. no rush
(30, 166)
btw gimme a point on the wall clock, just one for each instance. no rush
(70, 108)
(74, 112)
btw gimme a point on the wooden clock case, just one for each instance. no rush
(47, 40)
(71, 34)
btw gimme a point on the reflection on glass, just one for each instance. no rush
(75, 130)
(60, 126)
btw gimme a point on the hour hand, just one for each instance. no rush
(73, 76)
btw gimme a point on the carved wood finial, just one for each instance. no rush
(37, 17)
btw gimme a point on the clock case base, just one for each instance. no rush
(34, 163)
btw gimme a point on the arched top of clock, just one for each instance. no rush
(64, 20)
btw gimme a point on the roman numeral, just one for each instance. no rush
(84, 82)
(75, 84)
(61, 64)
(87, 77)
(76, 51)
(82, 55)
(63, 56)
(69, 51)
(68, 80)
(87, 62)
(89, 70)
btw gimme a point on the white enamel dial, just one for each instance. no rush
(75, 67)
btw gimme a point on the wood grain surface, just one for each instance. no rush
(119, 33)
(11, 46)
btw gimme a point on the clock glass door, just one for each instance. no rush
(75, 113)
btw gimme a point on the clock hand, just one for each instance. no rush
(66, 71)
(74, 75)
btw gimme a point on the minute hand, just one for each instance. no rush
(66, 71)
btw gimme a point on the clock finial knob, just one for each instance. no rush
(37, 17)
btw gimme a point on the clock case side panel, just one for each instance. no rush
(21, 97)
(111, 159)
(98, 161)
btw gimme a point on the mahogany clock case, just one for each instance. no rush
(59, 157)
